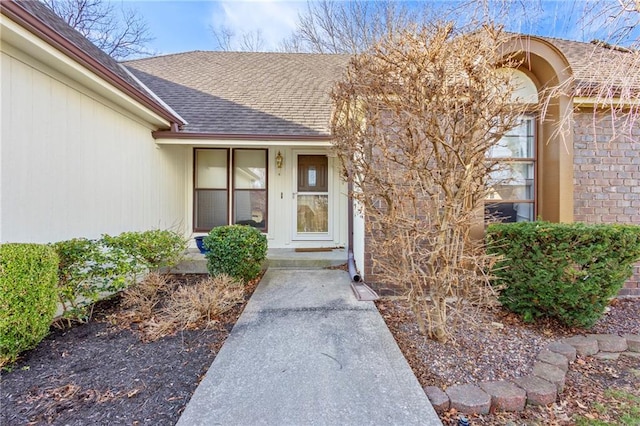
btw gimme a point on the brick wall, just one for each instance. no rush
(606, 187)
(607, 176)
(373, 276)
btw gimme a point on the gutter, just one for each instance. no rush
(166, 134)
(14, 11)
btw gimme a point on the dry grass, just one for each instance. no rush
(161, 307)
(204, 301)
(142, 298)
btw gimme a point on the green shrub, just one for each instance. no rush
(87, 271)
(567, 271)
(150, 249)
(235, 250)
(28, 296)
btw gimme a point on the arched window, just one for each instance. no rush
(512, 196)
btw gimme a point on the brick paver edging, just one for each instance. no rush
(544, 384)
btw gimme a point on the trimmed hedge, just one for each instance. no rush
(28, 296)
(235, 250)
(566, 271)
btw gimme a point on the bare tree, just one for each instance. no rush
(121, 33)
(611, 80)
(226, 40)
(333, 26)
(415, 118)
(252, 41)
(615, 63)
(223, 36)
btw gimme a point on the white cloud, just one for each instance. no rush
(274, 19)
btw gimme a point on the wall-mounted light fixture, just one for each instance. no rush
(279, 161)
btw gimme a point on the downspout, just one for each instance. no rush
(351, 263)
(363, 292)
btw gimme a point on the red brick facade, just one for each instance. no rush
(606, 187)
(607, 177)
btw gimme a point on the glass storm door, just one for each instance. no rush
(312, 198)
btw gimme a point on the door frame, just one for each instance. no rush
(305, 236)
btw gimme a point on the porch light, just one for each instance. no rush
(279, 160)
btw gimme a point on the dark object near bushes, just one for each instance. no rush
(200, 244)
(566, 271)
(235, 250)
(28, 295)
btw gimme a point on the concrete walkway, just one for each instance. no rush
(305, 352)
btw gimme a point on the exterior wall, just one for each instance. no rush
(606, 186)
(74, 165)
(372, 275)
(281, 218)
(607, 177)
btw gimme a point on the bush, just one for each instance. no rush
(90, 269)
(566, 271)
(150, 250)
(28, 297)
(87, 271)
(204, 301)
(235, 250)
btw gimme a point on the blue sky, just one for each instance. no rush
(180, 26)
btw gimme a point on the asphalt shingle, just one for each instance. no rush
(597, 66)
(246, 92)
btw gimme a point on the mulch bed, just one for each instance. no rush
(501, 347)
(106, 372)
(102, 372)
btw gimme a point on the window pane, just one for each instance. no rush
(211, 208)
(313, 213)
(511, 212)
(313, 175)
(250, 167)
(512, 181)
(518, 143)
(211, 168)
(251, 208)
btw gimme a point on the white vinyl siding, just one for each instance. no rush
(73, 165)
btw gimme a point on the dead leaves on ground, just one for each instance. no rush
(158, 306)
(52, 401)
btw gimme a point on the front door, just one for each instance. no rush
(313, 218)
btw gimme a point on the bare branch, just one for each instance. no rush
(252, 41)
(415, 119)
(226, 40)
(331, 26)
(223, 36)
(121, 33)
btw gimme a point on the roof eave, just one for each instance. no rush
(204, 138)
(14, 11)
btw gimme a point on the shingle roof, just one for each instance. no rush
(246, 92)
(597, 66)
